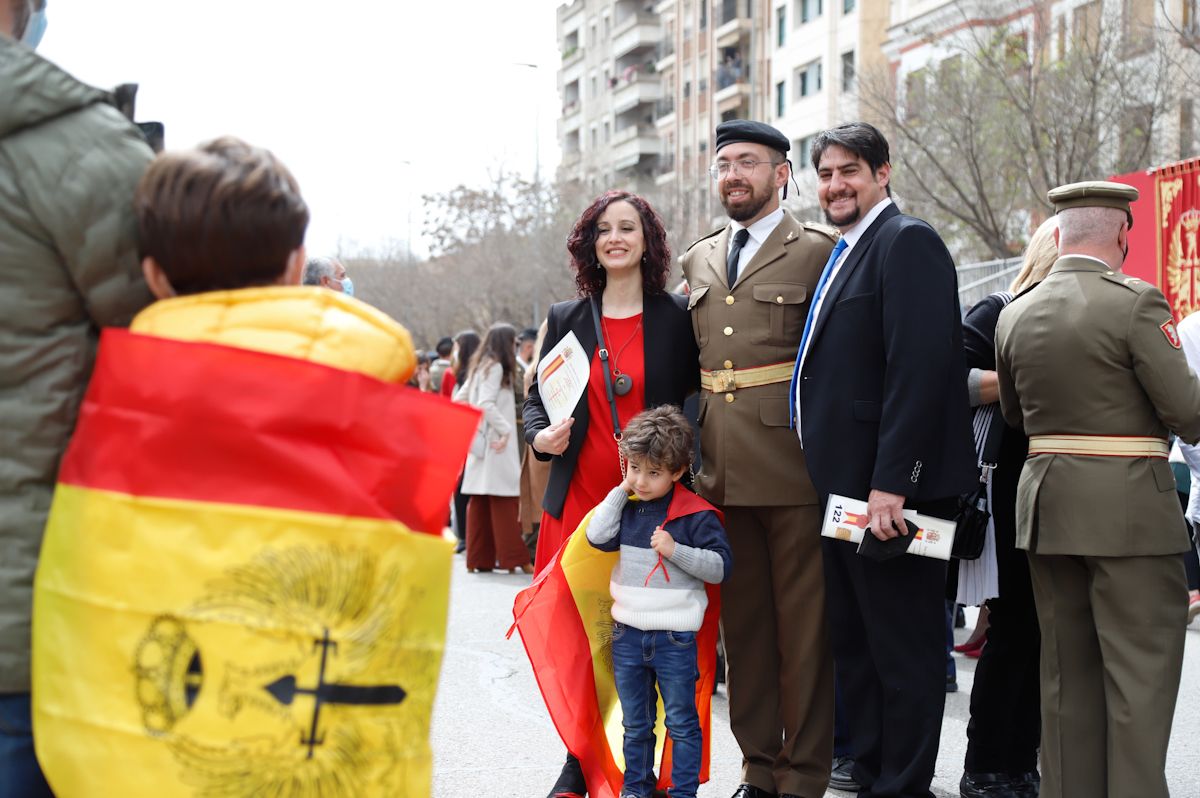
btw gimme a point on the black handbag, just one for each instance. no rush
(971, 522)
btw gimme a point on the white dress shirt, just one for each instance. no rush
(758, 234)
(851, 237)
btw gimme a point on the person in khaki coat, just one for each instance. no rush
(780, 671)
(1089, 364)
(492, 475)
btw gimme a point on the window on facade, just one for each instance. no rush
(848, 6)
(592, 35)
(687, 89)
(914, 93)
(807, 79)
(1187, 17)
(848, 71)
(1137, 19)
(703, 14)
(803, 148)
(595, 138)
(607, 131)
(595, 88)
(807, 11)
(1085, 24)
(1187, 130)
(780, 98)
(781, 26)
(1134, 146)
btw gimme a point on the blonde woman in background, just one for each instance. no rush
(1005, 727)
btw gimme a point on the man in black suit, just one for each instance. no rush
(880, 399)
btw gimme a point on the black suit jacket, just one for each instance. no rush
(672, 373)
(883, 395)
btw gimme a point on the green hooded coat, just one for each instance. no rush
(69, 163)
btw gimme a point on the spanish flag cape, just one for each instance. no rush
(565, 622)
(234, 596)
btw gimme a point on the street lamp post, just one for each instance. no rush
(408, 242)
(537, 181)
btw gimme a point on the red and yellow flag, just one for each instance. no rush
(565, 622)
(233, 598)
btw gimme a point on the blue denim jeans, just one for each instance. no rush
(640, 659)
(20, 776)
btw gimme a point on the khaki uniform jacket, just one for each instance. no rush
(751, 455)
(1090, 351)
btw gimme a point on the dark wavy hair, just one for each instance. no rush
(590, 277)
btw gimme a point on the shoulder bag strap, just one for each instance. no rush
(608, 381)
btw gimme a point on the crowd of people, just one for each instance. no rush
(830, 360)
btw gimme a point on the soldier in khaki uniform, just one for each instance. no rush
(780, 671)
(1089, 363)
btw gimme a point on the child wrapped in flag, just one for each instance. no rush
(234, 596)
(604, 623)
(658, 597)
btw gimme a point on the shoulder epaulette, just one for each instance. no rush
(832, 232)
(705, 237)
(1135, 284)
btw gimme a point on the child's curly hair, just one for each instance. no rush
(661, 436)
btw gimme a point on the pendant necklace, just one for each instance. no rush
(622, 383)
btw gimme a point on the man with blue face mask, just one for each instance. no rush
(328, 273)
(69, 162)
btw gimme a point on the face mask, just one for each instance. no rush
(348, 287)
(35, 29)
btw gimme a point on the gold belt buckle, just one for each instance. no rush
(724, 381)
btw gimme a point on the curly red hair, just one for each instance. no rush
(581, 244)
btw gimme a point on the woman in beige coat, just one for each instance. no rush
(492, 477)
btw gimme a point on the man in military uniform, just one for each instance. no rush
(1089, 363)
(750, 285)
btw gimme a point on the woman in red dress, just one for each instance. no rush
(621, 260)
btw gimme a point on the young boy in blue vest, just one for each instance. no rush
(671, 543)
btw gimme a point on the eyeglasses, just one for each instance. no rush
(745, 166)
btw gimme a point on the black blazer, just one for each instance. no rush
(672, 373)
(883, 396)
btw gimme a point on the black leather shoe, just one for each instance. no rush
(570, 782)
(987, 785)
(1027, 785)
(841, 775)
(750, 791)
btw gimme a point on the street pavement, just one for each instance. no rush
(491, 736)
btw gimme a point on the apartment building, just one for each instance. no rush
(819, 49)
(609, 89)
(644, 83)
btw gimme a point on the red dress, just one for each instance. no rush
(598, 469)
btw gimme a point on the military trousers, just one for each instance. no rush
(779, 667)
(1112, 652)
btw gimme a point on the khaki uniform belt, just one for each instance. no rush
(1098, 445)
(727, 380)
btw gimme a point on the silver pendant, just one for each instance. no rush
(623, 384)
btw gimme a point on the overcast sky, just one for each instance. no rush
(369, 102)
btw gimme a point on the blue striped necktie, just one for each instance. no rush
(838, 249)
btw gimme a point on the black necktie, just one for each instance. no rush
(731, 263)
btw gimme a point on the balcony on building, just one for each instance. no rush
(733, 81)
(734, 22)
(635, 147)
(664, 53)
(634, 86)
(664, 170)
(633, 29)
(664, 113)
(572, 49)
(571, 118)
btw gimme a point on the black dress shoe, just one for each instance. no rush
(841, 775)
(750, 791)
(987, 785)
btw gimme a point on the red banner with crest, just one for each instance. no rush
(1163, 244)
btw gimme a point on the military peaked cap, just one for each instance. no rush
(1094, 193)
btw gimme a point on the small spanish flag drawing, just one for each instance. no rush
(565, 622)
(235, 595)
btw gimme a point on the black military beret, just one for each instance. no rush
(740, 131)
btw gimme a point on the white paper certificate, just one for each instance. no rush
(562, 377)
(846, 519)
